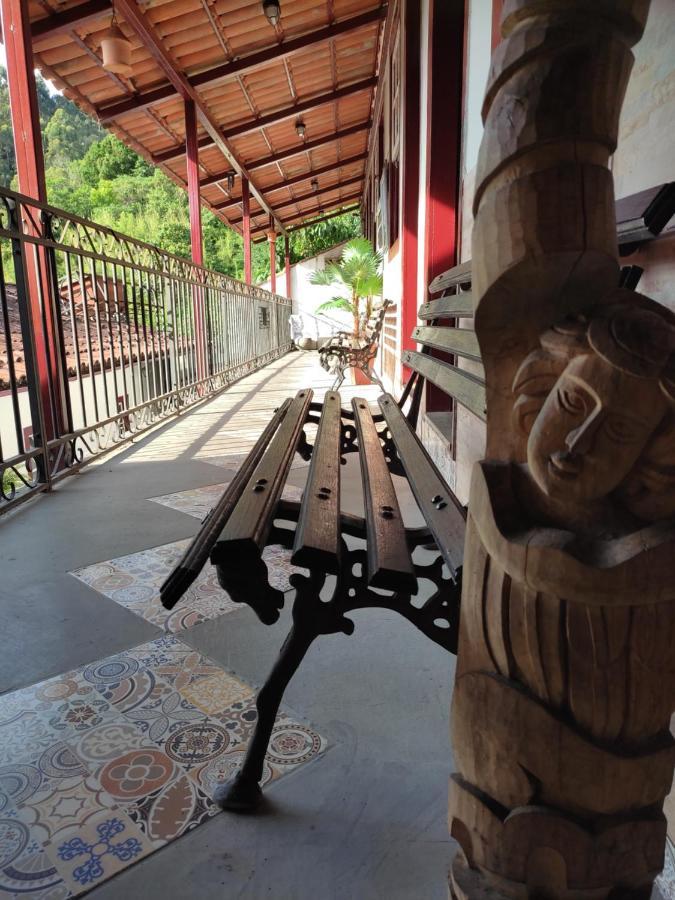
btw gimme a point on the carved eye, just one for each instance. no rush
(572, 401)
(621, 430)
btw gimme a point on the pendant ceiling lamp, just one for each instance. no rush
(116, 50)
(272, 9)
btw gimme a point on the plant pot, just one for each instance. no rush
(360, 377)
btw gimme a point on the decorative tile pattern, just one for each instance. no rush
(134, 581)
(666, 880)
(233, 461)
(200, 501)
(105, 764)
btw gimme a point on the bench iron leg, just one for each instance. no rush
(242, 793)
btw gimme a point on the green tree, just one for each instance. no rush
(68, 135)
(108, 159)
(358, 276)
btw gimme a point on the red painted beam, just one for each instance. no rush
(171, 153)
(302, 107)
(309, 145)
(331, 213)
(75, 17)
(30, 166)
(287, 265)
(496, 22)
(444, 143)
(272, 238)
(137, 19)
(298, 179)
(410, 167)
(309, 195)
(193, 182)
(196, 243)
(246, 205)
(244, 65)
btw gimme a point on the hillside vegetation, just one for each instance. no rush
(94, 175)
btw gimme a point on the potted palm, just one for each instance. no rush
(358, 277)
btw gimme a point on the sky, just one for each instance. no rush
(3, 62)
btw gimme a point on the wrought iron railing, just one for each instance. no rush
(102, 336)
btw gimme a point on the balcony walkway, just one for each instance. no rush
(366, 724)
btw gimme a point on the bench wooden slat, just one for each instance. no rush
(442, 511)
(389, 562)
(466, 388)
(195, 557)
(317, 536)
(461, 341)
(450, 307)
(244, 534)
(460, 274)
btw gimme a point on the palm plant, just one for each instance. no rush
(358, 275)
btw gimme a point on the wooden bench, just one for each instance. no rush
(345, 351)
(371, 559)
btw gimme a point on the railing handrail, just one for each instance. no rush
(158, 252)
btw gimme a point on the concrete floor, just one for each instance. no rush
(366, 820)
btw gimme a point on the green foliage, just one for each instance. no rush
(358, 277)
(94, 175)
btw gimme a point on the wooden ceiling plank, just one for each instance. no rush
(244, 64)
(144, 29)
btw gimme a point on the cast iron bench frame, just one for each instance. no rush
(341, 353)
(251, 515)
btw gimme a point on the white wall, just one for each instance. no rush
(307, 297)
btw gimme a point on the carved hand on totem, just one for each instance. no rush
(597, 404)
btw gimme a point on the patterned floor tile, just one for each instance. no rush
(233, 461)
(666, 880)
(134, 581)
(199, 501)
(103, 765)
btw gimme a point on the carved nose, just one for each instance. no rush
(580, 439)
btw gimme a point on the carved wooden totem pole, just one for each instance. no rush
(566, 665)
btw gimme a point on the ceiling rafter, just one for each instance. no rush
(75, 17)
(311, 103)
(293, 151)
(243, 65)
(309, 194)
(305, 176)
(138, 21)
(341, 211)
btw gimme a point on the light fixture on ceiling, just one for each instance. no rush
(301, 129)
(230, 181)
(315, 184)
(116, 49)
(272, 9)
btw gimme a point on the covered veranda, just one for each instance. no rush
(364, 815)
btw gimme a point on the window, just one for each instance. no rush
(263, 317)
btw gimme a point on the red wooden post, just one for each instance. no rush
(246, 211)
(272, 238)
(496, 22)
(30, 166)
(410, 166)
(287, 264)
(443, 140)
(196, 243)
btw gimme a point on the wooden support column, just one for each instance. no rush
(272, 238)
(246, 226)
(410, 166)
(196, 242)
(564, 685)
(444, 146)
(287, 264)
(25, 116)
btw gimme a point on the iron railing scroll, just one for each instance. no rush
(129, 335)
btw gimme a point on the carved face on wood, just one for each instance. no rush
(596, 405)
(592, 428)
